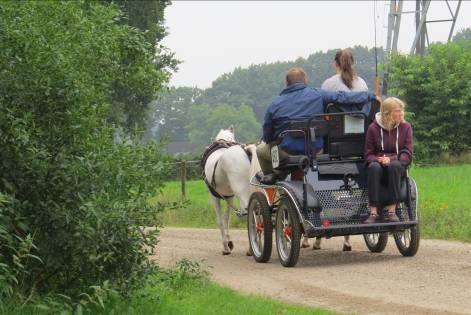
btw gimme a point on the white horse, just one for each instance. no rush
(228, 171)
(231, 177)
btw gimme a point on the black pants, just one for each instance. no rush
(387, 176)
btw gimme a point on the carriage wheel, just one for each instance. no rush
(376, 242)
(260, 227)
(408, 240)
(288, 233)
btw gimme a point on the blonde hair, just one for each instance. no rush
(387, 107)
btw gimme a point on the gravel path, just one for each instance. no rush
(436, 281)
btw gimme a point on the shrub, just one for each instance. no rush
(74, 202)
(437, 89)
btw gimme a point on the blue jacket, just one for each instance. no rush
(297, 102)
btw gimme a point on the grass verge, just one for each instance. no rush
(183, 290)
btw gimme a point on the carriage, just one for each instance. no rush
(326, 194)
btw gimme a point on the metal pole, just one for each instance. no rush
(419, 28)
(454, 20)
(183, 178)
(392, 10)
(397, 25)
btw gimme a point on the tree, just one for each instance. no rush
(206, 122)
(131, 96)
(463, 35)
(72, 202)
(437, 89)
(170, 113)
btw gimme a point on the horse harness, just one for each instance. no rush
(213, 147)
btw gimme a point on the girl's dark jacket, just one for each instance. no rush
(383, 142)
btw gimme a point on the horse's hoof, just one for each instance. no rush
(346, 248)
(248, 253)
(231, 245)
(305, 245)
(314, 247)
(226, 253)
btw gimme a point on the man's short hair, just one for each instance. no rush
(296, 75)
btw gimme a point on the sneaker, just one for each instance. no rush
(371, 219)
(392, 217)
(259, 176)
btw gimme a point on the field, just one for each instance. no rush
(444, 203)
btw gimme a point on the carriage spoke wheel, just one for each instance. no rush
(260, 227)
(288, 233)
(376, 242)
(407, 241)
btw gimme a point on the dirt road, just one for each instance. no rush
(436, 281)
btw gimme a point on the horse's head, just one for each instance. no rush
(226, 135)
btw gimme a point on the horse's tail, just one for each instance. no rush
(254, 165)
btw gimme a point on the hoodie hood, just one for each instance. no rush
(379, 121)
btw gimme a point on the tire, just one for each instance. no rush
(407, 241)
(288, 232)
(260, 227)
(376, 242)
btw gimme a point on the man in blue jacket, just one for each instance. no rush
(296, 102)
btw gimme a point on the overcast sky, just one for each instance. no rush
(214, 37)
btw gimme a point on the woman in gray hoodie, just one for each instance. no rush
(388, 151)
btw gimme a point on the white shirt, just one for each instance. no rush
(335, 83)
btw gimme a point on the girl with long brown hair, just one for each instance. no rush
(345, 78)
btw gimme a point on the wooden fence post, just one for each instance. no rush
(183, 178)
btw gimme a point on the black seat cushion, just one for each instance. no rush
(293, 162)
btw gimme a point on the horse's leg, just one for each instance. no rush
(347, 247)
(317, 243)
(241, 189)
(305, 243)
(219, 215)
(227, 219)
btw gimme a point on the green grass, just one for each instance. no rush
(185, 296)
(205, 297)
(444, 203)
(198, 212)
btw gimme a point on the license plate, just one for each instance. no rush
(275, 157)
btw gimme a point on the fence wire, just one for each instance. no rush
(191, 170)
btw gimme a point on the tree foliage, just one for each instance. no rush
(437, 89)
(72, 202)
(171, 113)
(463, 35)
(131, 91)
(206, 122)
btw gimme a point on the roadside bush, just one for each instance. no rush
(437, 90)
(74, 203)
